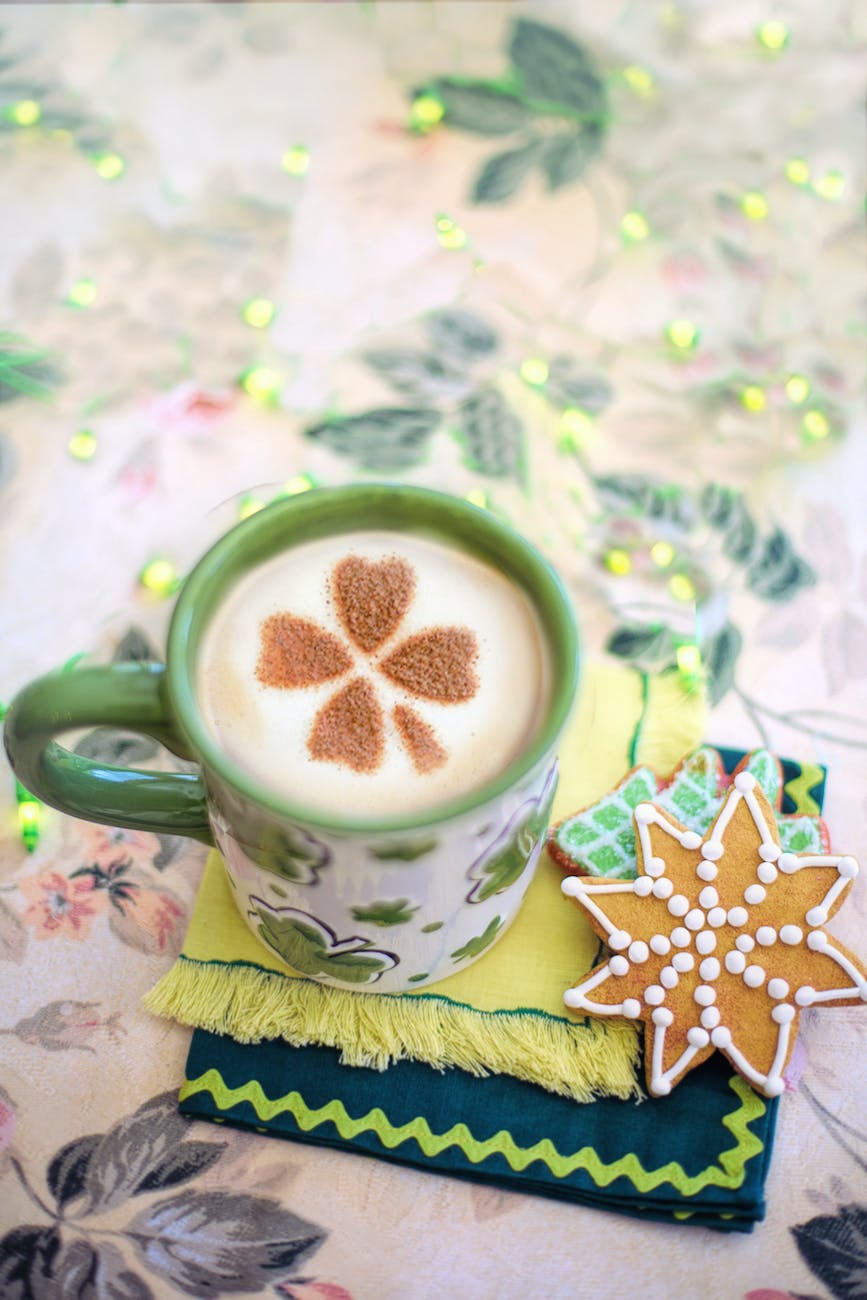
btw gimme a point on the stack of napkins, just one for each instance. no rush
(511, 1113)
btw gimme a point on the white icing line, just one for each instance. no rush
(858, 988)
(758, 816)
(573, 887)
(779, 1061)
(575, 997)
(657, 1075)
(721, 824)
(836, 889)
(740, 1062)
(658, 820)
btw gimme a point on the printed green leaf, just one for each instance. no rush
(474, 946)
(385, 438)
(417, 374)
(135, 646)
(403, 852)
(565, 157)
(291, 853)
(491, 435)
(515, 849)
(554, 69)
(462, 333)
(396, 911)
(25, 371)
(504, 173)
(647, 643)
(312, 948)
(741, 536)
(777, 572)
(211, 1243)
(477, 106)
(87, 1270)
(570, 385)
(719, 504)
(720, 655)
(432, 927)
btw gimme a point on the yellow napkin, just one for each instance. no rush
(505, 1013)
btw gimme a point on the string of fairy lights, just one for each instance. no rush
(263, 384)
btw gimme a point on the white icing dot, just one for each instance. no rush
(642, 886)
(848, 868)
(660, 1087)
(660, 945)
(680, 937)
(754, 977)
(735, 962)
(738, 916)
(618, 965)
(668, 977)
(654, 994)
(708, 897)
(683, 961)
(745, 942)
(631, 1008)
(572, 998)
(644, 813)
(662, 888)
(816, 916)
(690, 840)
(773, 1087)
(654, 866)
(663, 1016)
(709, 968)
(721, 1037)
(791, 934)
(704, 995)
(678, 905)
(716, 916)
(783, 1014)
(697, 1037)
(706, 871)
(638, 951)
(694, 919)
(788, 862)
(767, 873)
(710, 1017)
(713, 850)
(766, 935)
(817, 941)
(777, 988)
(745, 781)
(755, 894)
(705, 942)
(769, 852)
(619, 939)
(805, 996)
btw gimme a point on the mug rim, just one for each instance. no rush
(321, 512)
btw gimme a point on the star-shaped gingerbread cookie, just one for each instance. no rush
(718, 941)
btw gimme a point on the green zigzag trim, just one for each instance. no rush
(728, 1173)
(798, 789)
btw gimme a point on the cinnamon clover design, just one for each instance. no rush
(718, 941)
(370, 599)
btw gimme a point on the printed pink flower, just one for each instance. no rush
(370, 599)
(188, 409)
(59, 905)
(150, 920)
(107, 845)
(314, 1291)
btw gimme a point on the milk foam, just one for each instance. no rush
(265, 729)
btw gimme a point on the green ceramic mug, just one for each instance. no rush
(309, 884)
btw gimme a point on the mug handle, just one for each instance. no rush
(129, 695)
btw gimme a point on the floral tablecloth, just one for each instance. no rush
(598, 267)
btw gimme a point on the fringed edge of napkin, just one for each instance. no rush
(581, 1060)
